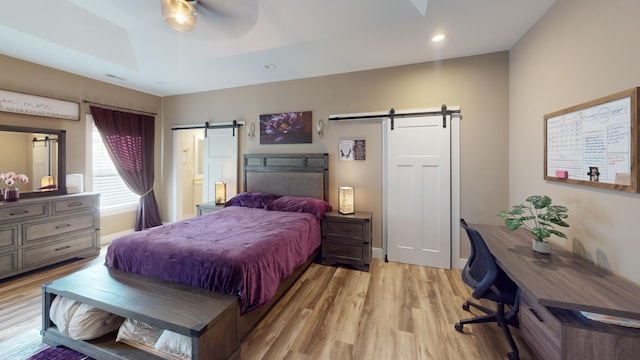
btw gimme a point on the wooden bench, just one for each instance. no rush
(208, 318)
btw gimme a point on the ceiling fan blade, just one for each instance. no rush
(224, 19)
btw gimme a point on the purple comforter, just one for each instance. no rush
(237, 251)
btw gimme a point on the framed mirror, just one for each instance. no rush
(38, 153)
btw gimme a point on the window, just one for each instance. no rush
(114, 193)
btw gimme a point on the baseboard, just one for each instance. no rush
(107, 239)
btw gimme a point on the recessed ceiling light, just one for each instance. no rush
(437, 38)
(270, 66)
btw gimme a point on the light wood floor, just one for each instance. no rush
(395, 311)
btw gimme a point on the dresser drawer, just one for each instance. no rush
(9, 262)
(82, 203)
(540, 328)
(23, 212)
(345, 229)
(49, 253)
(8, 237)
(36, 231)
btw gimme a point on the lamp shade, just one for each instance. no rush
(221, 193)
(346, 200)
(179, 14)
(46, 181)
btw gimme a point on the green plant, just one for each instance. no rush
(538, 216)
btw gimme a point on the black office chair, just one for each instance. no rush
(488, 281)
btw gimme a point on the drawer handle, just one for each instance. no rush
(61, 226)
(77, 203)
(536, 315)
(62, 248)
(19, 213)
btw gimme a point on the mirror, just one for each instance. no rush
(37, 153)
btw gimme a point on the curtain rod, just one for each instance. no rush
(85, 101)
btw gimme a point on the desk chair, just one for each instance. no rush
(488, 281)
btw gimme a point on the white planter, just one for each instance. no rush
(542, 247)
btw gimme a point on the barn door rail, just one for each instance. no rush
(392, 115)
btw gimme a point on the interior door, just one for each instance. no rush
(220, 158)
(418, 196)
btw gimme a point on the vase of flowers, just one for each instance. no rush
(9, 182)
(540, 217)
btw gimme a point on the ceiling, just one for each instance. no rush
(126, 42)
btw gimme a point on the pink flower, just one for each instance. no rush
(10, 178)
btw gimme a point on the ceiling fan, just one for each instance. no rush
(224, 17)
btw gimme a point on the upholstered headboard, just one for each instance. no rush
(287, 174)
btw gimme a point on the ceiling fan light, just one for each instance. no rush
(179, 14)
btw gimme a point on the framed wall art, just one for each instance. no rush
(20, 103)
(286, 128)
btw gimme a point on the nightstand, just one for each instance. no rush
(346, 239)
(208, 207)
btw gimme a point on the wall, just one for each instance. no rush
(29, 78)
(579, 51)
(478, 84)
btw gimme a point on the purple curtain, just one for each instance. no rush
(129, 139)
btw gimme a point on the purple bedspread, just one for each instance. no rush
(237, 251)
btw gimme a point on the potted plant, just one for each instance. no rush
(540, 217)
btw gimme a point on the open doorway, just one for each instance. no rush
(188, 172)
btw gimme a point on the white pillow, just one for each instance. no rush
(174, 344)
(138, 332)
(89, 322)
(61, 312)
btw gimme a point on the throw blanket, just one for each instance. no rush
(237, 251)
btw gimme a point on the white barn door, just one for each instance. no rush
(418, 197)
(220, 158)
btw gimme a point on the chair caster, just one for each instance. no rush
(465, 306)
(513, 356)
(458, 327)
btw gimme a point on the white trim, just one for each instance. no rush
(107, 239)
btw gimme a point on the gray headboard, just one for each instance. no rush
(287, 174)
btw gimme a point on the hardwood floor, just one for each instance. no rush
(395, 311)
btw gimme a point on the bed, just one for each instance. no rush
(275, 224)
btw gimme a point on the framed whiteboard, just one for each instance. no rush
(595, 143)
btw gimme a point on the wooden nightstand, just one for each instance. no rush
(346, 239)
(208, 207)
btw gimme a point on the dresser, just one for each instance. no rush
(346, 239)
(42, 231)
(555, 288)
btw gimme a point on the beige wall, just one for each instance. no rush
(478, 84)
(581, 50)
(21, 76)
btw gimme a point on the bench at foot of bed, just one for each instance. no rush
(208, 318)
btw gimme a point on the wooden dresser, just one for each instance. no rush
(42, 231)
(555, 288)
(346, 239)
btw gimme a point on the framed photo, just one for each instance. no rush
(286, 128)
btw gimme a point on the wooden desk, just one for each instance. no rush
(554, 287)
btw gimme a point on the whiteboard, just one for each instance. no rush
(594, 143)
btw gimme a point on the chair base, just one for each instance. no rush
(498, 316)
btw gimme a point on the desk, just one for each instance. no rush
(554, 287)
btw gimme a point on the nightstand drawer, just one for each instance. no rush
(342, 250)
(345, 229)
